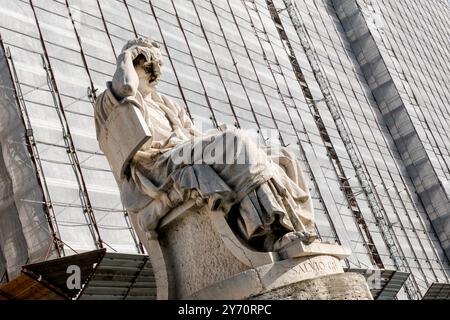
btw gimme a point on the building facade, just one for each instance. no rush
(357, 89)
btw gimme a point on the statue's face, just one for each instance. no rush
(148, 68)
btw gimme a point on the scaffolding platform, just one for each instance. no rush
(103, 276)
(387, 286)
(438, 291)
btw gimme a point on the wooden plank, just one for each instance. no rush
(26, 288)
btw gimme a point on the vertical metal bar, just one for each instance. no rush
(364, 179)
(83, 57)
(32, 148)
(281, 96)
(237, 124)
(71, 150)
(93, 90)
(131, 19)
(170, 59)
(235, 64)
(138, 273)
(106, 28)
(280, 137)
(208, 102)
(332, 154)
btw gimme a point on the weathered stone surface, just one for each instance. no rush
(258, 280)
(196, 255)
(346, 286)
(202, 264)
(123, 134)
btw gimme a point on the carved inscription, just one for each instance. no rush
(320, 265)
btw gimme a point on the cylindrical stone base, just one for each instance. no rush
(344, 286)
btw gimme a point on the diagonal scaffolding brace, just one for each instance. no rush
(365, 181)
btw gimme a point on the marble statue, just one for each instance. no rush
(219, 216)
(160, 158)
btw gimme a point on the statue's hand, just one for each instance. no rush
(135, 51)
(126, 81)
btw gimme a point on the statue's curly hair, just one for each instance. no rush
(141, 42)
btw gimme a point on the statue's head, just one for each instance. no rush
(148, 62)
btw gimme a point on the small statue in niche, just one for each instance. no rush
(267, 203)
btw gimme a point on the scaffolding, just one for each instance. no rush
(31, 143)
(363, 178)
(254, 64)
(346, 188)
(287, 100)
(70, 147)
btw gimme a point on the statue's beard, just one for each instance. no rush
(153, 71)
(149, 83)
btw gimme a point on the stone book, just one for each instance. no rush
(124, 133)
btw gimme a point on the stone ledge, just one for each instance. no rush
(299, 250)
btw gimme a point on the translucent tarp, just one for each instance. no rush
(225, 61)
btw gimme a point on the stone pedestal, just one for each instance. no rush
(197, 256)
(193, 251)
(265, 279)
(345, 286)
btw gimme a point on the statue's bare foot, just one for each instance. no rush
(288, 238)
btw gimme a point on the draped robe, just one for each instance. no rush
(264, 189)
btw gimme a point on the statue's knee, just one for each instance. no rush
(230, 135)
(236, 137)
(288, 154)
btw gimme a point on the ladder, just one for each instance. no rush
(363, 178)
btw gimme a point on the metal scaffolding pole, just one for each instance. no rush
(70, 147)
(364, 179)
(350, 195)
(32, 148)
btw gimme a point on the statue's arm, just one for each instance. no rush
(125, 81)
